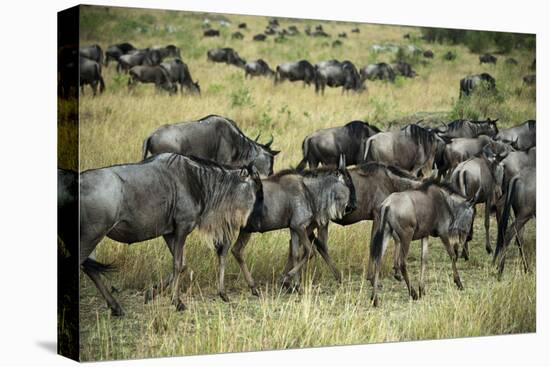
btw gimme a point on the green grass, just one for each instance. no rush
(114, 124)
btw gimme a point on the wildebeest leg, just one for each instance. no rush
(237, 252)
(303, 240)
(321, 245)
(452, 254)
(94, 275)
(487, 224)
(377, 268)
(150, 294)
(396, 263)
(512, 231)
(222, 250)
(404, 241)
(370, 266)
(423, 262)
(179, 265)
(519, 243)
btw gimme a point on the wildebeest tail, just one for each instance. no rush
(302, 165)
(145, 147)
(505, 217)
(98, 267)
(367, 150)
(378, 239)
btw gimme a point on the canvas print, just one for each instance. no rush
(231, 183)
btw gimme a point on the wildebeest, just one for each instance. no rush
(211, 33)
(521, 137)
(511, 61)
(258, 68)
(227, 55)
(178, 72)
(337, 74)
(342, 35)
(326, 145)
(515, 161)
(152, 74)
(242, 25)
(355, 30)
(404, 69)
(487, 59)
(93, 52)
(147, 57)
(337, 43)
(521, 197)
(213, 137)
(259, 37)
(237, 36)
(431, 210)
(471, 82)
(168, 195)
(114, 52)
(294, 71)
(468, 129)
(380, 71)
(449, 56)
(90, 73)
(530, 79)
(429, 54)
(412, 148)
(167, 51)
(302, 202)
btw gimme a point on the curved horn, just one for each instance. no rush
(445, 127)
(257, 137)
(268, 144)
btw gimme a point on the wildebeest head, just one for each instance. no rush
(463, 217)
(338, 193)
(264, 156)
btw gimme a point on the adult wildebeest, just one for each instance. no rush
(515, 161)
(211, 33)
(521, 137)
(93, 52)
(114, 52)
(147, 57)
(380, 71)
(355, 30)
(213, 137)
(342, 35)
(167, 51)
(301, 202)
(90, 73)
(227, 55)
(471, 82)
(404, 69)
(412, 148)
(431, 210)
(521, 196)
(237, 36)
(530, 79)
(326, 145)
(429, 54)
(259, 37)
(449, 56)
(242, 25)
(487, 59)
(468, 129)
(258, 68)
(337, 74)
(178, 71)
(168, 195)
(293, 71)
(152, 74)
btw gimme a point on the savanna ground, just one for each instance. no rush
(114, 124)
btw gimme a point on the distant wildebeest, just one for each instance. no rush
(93, 52)
(342, 35)
(167, 51)
(90, 73)
(355, 30)
(521, 137)
(294, 71)
(293, 30)
(468, 129)
(147, 57)
(530, 79)
(215, 138)
(429, 54)
(156, 75)
(431, 210)
(481, 177)
(259, 37)
(407, 36)
(337, 43)
(179, 73)
(471, 82)
(242, 25)
(521, 197)
(412, 148)
(511, 61)
(270, 31)
(211, 33)
(168, 195)
(302, 202)
(404, 69)
(487, 59)
(326, 145)
(337, 74)
(273, 22)
(237, 36)
(258, 68)
(320, 33)
(227, 55)
(449, 56)
(114, 52)
(380, 71)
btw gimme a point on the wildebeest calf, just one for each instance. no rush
(487, 59)
(152, 74)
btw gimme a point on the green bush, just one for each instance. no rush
(241, 98)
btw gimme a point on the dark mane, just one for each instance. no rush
(442, 185)
(420, 135)
(459, 124)
(371, 167)
(355, 127)
(532, 124)
(316, 172)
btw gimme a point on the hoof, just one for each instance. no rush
(398, 277)
(376, 302)
(459, 285)
(118, 312)
(114, 289)
(255, 292)
(421, 292)
(180, 306)
(223, 296)
(149, 295)
(489, 250)
(414, 295)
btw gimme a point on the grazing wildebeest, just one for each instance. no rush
(258, 68)
(227, 55)
(259, 37)
(481, 177)
(90, 73)
(337, 43)
(168, 195)
(471, 82)
(487, 59)
(404, 69)
(152, 74)
(114, 52)
(168, 51)
(211, 33)
(412, 148)
(380, 71)
(355, 30)
(147, 57)
(242, 25)
(237, 36)
(302, 202)
(511, 61)
(530, 79)
(521, 196)
(521, 137)
(293, 71)
(429, 54)
(431, 210)
(93, 52)
(178, 71)
(468, 129)
(215, 138)
(449, 56)
(342, 35)
(326, 145)
(336, 74)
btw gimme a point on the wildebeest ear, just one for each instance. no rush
(244, 172)
(275, 152)
(342, 162)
